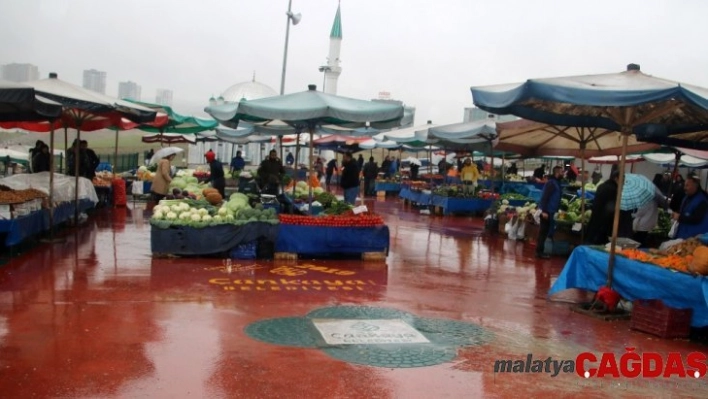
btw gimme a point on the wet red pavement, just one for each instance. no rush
(98, 317)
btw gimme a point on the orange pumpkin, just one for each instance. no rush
(700, 260)
(213, 198)
(208, 190)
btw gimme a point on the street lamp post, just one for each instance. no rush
(295, 18)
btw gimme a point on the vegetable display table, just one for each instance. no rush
(456, 205)
(416, 197)
(587, 269)
(387, 186)
(24, 227)
(329, 241)
(185, 240)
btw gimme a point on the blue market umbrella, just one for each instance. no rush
(628, 102)
(637, 192)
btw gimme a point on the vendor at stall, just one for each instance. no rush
(692, 220)
(539, 173)
(216, 176)
(270, 173)
(469, 176)
(647, 217)
(549, 205)
(237, 163)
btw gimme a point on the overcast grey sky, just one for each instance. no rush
(426, 53)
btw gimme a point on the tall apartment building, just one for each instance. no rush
(95, 80)
(129, 90)
(19, 72)
(164, 97)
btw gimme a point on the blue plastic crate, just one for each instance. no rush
(245, 251)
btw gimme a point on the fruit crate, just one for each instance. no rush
(655, 318)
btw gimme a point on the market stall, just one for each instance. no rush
(587, 269)
(25, 208)
(207, 226)
(322, 236)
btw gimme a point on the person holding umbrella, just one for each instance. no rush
(216, 177)
(163, 178)
(549, 205)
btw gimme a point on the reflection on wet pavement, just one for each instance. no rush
(97, 316)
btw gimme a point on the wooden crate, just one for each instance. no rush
(654, 317)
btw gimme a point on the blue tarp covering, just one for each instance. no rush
(415, 196)
(587, 269)
(209, 240)
(316, 240)
(455, 205)
(24, 227)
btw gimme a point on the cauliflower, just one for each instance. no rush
(185, 215)
(203, 212)
(158, 215)
(183, 206)
(505, 202)
(206, 218)
(171, 216)
(196, 218)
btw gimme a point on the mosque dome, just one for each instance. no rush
(249, 90)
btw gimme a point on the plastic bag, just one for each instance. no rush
(674, 229)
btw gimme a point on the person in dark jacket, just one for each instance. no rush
(550, 202)
(237, 163)
(386, 166)
(677, 193)
(41, 159)
(360, 162)
(216, 176)
(271, 173)
(331, 168)
(414, 171)
(693, 217)
(371, 171)
(34, 151)
(603, 214)
(350, 179)
(92, 159)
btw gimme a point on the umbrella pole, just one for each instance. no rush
(615, 225)
(52, 170)
(312, 165)
(673, 174)
(77, 162)
(582, 192)
(297, 159)
(115, 154)
(66, 146)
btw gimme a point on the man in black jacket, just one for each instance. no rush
(603, 214)
(270, 173)
(350, 179)
(371, 171)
